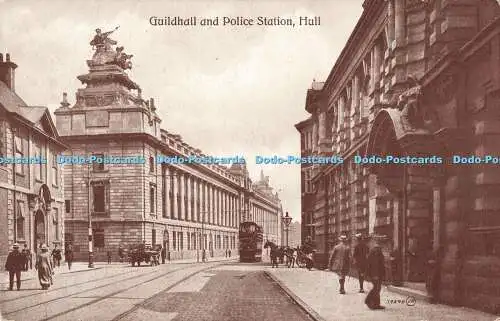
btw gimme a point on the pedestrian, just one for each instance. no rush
(27, 257)
(109, 257)
(44, 267)
(68, 255)
(120, 253)
(56, 255)
(204, 255)
(339, 261)
(375, 270)
(295, 254)
(229, 252)
(308, 250)
(163, 254)
(15, 264)
(360, 256)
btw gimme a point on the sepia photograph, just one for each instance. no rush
(218, 160)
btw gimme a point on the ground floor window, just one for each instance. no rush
(98, 236)
(174, 241)
(153, 237)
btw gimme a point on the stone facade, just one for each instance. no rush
(31, 193)
(185, 207)
(418, 79)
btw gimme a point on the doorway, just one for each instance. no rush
(39, 230)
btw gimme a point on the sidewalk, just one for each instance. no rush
(83, 267)
(317, 292)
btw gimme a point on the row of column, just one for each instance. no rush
(190, 198)
(266, 219)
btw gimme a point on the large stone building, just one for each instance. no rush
(186, 207)
(418, 79)
(31, 187)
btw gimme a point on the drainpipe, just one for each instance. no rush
(14, 131)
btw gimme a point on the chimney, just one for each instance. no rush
(152, 104)
(7, 71)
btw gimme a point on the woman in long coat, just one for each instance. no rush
(44, 267)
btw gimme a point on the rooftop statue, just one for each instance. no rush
(101, 40)
(104, 53)
(122, 59)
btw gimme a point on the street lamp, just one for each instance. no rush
(91, 254)
(286, 220)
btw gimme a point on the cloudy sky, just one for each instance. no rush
(226, 90)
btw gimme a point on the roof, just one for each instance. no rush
(9, 99)
(32, 113)
(316, 85)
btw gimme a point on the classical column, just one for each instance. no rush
(166, 191)
(340, 119)
(400, 23)
(189, 196)
(223, 208)
(209, 203)
(355, 95)
(175, 193)
(197, 200)
(182, 190)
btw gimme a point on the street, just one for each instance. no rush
(210, 291)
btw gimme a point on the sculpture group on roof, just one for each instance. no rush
(104, 53)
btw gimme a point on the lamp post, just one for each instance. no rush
(286, 221)
(91, 253)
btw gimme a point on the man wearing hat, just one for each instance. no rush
(360, 255)
(14, 264)
(339, 261)
(376, 272)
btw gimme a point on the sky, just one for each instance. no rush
(227, 90)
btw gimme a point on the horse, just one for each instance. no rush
(274, 252)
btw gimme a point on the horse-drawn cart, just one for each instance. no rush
(144, 253)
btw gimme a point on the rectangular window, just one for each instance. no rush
(19, 154)
(38, 167)
(3, 140)
(98, 164)
(20, 220)
(55, 219)
(152, 197)
(55, 171)
(98, 237)
(100, 197)
(174, 241)
(151, 164)
(153, 237)
(67, 206)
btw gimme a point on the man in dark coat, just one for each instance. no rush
(56, 256)
(27, 257)
(68, 255)
(163, 254)
(339, 261)
(360, 256)
(308, 249)
(15, 264)
(376, 272)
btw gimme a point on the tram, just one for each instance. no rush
(250, 242)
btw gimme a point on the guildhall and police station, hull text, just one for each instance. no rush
(234, 21)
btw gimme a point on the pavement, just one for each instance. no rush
(83, 267)
(317, 293)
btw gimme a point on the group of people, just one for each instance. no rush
(369, 262)
(17, 261)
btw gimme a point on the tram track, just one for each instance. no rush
(80, 292)
(57, 315)
(63, 287)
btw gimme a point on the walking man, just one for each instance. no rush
(56, 256)
(360, 257)
(376, 272)
(68, 255)
(163, 254)
(120, 253)
(339, 261)
(15, 264)
(109, 257)
(27, 256)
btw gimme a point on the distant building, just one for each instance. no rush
(184, 207)
(31, 191)
(417, 79)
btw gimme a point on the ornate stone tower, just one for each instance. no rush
(106, 198)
